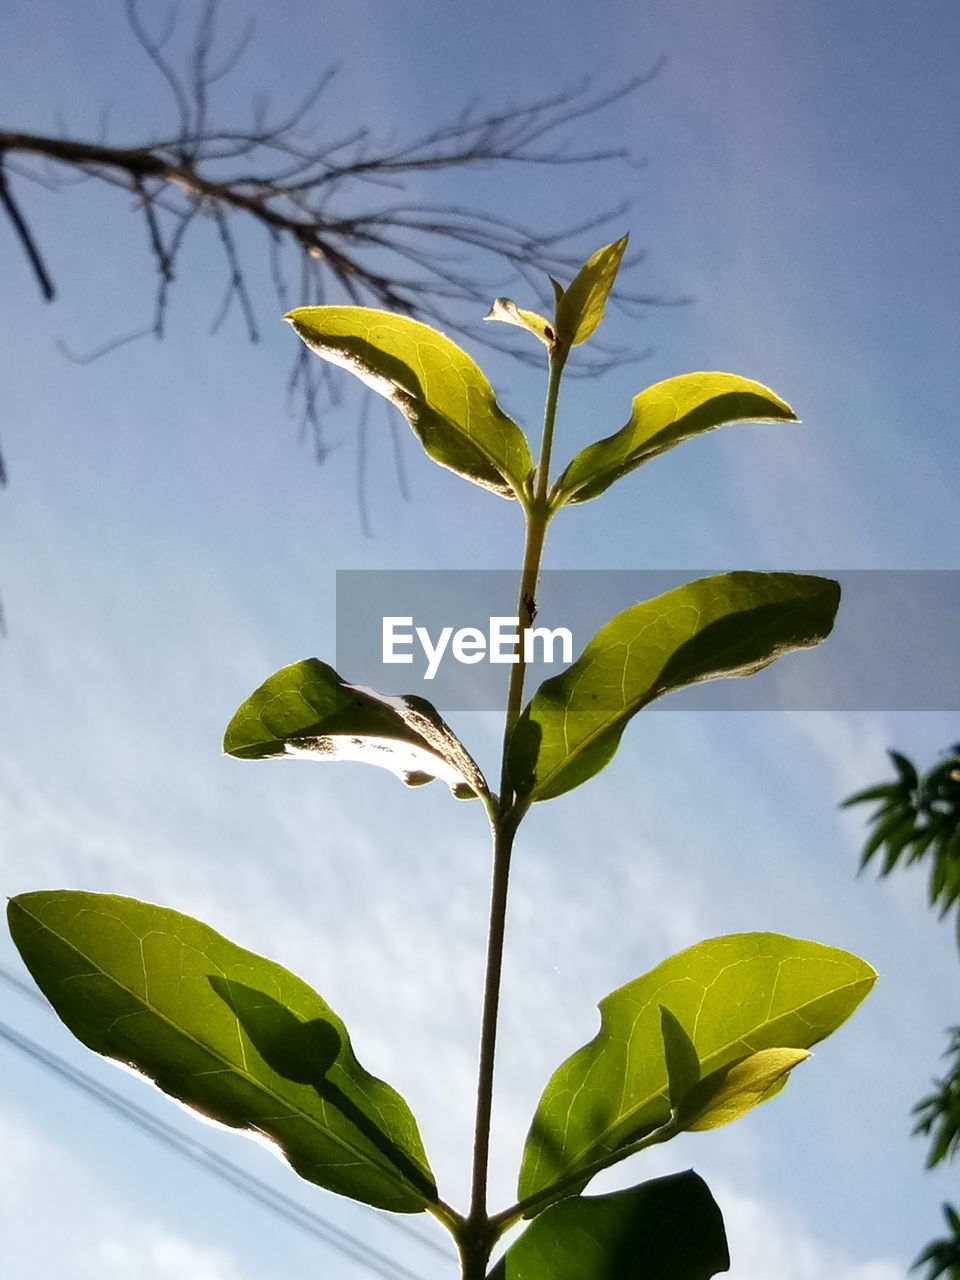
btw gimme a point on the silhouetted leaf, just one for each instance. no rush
(899, 821)
(234, 1035)
(885, 791)
(905, 768)
(438, 388)
(307, 711)
(665, 415)
(731, 625)
(919, 817)
(666, 1229)
(734, 996)
(943, 1255)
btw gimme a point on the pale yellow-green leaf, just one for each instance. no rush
(439, 389)
(737, 1088)
(507, 311)
(664, 415)
(581, 305)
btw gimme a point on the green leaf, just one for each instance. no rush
(680, 1056)
(508, 312)
(731, 625)
(665, 415)
(666, 1229)
(581, 305)
(227, 1032)
(900, 821)
(885, 791)
(906, 770)
(438, 388)
(737, 1088)
(736, 996)
(307, 711)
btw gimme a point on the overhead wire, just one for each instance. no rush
(282, 1205)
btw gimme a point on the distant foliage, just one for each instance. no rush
(917, 818)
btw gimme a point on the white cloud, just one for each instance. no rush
(22, 1163)
(34, 1171)
(151, 1254)
(851, 749)
(765, 1241)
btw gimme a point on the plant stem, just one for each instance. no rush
(477, 1236)
(526, 609)
(558, 358)
(571, 1183)
(538, 517)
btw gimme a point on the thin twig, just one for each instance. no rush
(25, 237)
(279, 171)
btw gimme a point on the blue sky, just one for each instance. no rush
(169, 544)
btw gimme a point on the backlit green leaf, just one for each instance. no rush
(666, 1229)
(438, 388)
(665, 415)
(737, 1088)
(734, 996)
(730, 625)
(508, 312)
(680, 1058)
(227, 1032)
(581, 305)
(306, 711)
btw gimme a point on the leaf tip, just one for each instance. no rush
(498, 307)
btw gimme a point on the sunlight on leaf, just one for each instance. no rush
(737, 1088)
(714, 628)
(581, 305)
(507, 311)
(306, 710)
(735, 996)
(439, 389)
(663, 416)
(680, 1058)
(233, 1035)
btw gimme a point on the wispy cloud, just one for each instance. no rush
(151, 1254)
(113, 1244)
(765, 1241)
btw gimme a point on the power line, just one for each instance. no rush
(30, 991)
(282, 1205)
(23, 987)
(230, 1173)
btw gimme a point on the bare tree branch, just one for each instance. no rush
(282, 174)
(25, 237)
